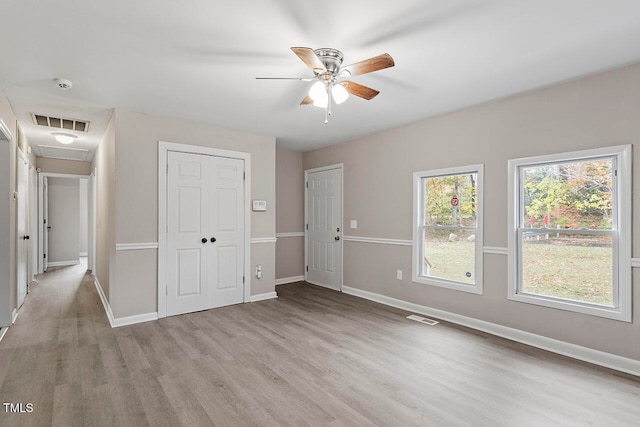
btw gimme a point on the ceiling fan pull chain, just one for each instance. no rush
(327, 108)
(329, 96)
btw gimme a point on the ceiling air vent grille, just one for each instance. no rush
(58, 123)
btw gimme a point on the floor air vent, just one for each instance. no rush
(424, 320)
(58, 123)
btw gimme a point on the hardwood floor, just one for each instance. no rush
(311, 357)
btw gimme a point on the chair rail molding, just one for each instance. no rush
(136, 246)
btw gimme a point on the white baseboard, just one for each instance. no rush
(116, 322)
(63, 263)
(601, 358)
(132, 320)
(4, 329)
(262, 297)
(322, 285)
(105, 303)
(286, 280)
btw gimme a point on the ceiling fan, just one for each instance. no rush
(330, 85)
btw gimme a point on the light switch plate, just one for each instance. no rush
(259, 205)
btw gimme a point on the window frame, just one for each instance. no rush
(419, 227)
(621, 241)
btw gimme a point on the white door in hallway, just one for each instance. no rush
(324, 227)
(22, 246)
(205, 232)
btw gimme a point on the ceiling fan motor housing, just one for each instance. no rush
(331, 59)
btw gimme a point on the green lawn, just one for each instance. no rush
(552, 268)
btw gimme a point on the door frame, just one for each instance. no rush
(34, 231)
(340, 167)
(91, 215)
(163, 149)
(7, 205)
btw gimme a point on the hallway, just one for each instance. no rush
(50, 356)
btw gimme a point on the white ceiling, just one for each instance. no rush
(198, 59)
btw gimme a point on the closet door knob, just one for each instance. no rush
(213, 240)
(204, 240)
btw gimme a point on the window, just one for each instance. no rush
(570, 241)
(447, 240)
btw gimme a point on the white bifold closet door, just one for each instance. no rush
(205, 232)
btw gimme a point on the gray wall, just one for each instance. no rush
(289, 214)
(103, 164)
(601, 110)
(64, 217)
(136, 201)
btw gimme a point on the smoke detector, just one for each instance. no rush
(63, 84)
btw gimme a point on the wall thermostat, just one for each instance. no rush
(259, 205)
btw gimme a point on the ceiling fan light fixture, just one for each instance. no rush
(322, 101)
(64, 138)
(318, 91)
(329, 87)
(339, 93)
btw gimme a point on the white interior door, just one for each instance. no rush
(324, 228)
(23, 237)
(205, 232)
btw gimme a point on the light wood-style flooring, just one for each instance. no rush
(311, 357)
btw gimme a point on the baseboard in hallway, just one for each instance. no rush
(285, 280)
(63, 263)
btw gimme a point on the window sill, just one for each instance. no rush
(574, 306)
(449, 284)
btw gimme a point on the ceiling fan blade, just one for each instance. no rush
(310, 58)
(306, 101)
(360, 90)
(302, 79)
(370, 65)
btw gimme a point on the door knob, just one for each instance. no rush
(213, 240)
(25, 238)
(337, 238)
(204, 240)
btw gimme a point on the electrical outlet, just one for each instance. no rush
(399, 274)
(354, 223)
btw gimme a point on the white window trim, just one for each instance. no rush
(418, 221)
(621, 241)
